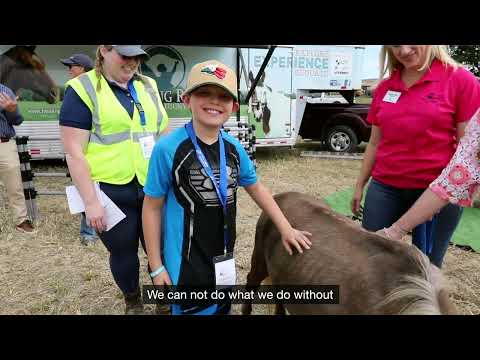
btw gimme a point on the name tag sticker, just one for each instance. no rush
(225, 274)
(392, 96)
(147, 143)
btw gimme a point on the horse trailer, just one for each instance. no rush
(272, 83)
(294, 76)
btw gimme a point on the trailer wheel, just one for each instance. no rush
(341, 138)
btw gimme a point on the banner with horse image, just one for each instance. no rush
(36, 76)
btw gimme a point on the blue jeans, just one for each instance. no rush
(85, 230)
(385, 204)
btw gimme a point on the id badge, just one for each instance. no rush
(147, 143)
(392, 96)
(225, 274)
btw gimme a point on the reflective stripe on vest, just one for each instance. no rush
(155, 100)
(119, 137)
(97, 137)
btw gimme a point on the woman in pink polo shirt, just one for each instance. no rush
(418, 114)
(459, 184)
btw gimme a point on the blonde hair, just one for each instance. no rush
(99, 65)
(388, 61)
(418, 294)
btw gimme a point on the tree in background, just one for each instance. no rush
(468, 55)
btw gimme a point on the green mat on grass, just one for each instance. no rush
(466, 234)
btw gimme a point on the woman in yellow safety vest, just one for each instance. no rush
(110, 120)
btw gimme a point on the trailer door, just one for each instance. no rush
(270, 107)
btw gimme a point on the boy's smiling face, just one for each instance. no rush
(211, 106)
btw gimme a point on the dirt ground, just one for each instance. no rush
(52, 273)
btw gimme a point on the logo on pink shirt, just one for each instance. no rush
(432, 97)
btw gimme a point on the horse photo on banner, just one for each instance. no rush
(23, 71)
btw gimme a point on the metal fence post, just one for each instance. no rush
(27, 177)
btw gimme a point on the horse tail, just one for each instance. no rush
(416, 294)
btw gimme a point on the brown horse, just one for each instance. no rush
(22, 69)
(375, 275)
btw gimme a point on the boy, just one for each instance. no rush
(198, 214)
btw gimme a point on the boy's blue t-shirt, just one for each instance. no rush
(192, 223)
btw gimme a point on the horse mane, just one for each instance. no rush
(417, 294)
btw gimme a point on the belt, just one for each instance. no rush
(4, 139)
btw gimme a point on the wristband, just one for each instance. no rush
(157, 272)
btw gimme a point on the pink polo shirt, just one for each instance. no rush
(419, 130)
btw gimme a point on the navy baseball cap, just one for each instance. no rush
(131, 50)
(80, 60)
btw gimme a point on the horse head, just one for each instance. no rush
(21, 69)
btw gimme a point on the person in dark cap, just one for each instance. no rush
(78, 64)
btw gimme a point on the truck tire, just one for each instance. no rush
(341, 138)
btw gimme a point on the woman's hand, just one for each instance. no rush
(95, 214)
(393, 233)
(357, 200)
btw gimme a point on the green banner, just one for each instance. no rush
(39, 110)
(43, 111)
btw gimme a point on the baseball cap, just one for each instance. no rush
(212, 72)
(131, 50)
(79, 59)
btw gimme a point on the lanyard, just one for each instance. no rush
(221, 188)
(139, 107)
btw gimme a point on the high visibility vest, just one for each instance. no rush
(114, 153)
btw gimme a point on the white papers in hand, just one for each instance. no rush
(75, 202)
(112, 213)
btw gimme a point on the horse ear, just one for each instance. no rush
(39, 61)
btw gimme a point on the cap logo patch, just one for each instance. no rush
(215, 70)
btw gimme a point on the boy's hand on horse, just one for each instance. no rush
(297, 239)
